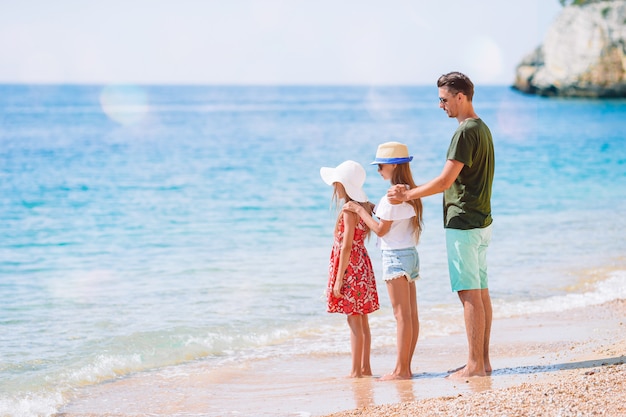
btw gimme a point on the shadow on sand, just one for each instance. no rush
(525, 370)
(618, 360)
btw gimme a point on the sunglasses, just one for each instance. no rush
(445, 100)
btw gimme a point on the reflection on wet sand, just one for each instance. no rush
(404, 387)
(363, 389)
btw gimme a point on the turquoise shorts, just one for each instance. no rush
(467, 258)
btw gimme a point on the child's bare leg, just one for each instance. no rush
(399, 294)
(415, 323)
(356, 341)
(366, 368)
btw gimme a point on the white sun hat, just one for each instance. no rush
(351, 175)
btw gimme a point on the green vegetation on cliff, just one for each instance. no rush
(579, 2)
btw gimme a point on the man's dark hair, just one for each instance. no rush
(457, 83)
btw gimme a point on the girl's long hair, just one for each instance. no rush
(402, 175)
(338, 191)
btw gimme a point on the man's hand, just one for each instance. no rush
(397, 194)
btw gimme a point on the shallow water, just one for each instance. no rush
(146, 227)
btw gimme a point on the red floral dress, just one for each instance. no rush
(359, 286)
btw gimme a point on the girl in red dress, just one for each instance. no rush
(351, 286)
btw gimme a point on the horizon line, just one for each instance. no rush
(256, 85)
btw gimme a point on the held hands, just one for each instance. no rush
(397, 194)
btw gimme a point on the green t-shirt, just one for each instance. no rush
(467, 203)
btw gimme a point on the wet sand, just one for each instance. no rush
(582, 375)
(548, 364)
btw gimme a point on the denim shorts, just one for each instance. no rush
(467, 258)
(401, 262)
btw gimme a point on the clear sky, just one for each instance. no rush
(369, 42)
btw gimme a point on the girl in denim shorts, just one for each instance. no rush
(398, 228)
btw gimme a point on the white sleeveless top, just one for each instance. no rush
(400, 235)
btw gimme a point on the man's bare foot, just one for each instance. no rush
(465, 373)
(394, 376)
(452, 371)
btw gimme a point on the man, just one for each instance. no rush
(466, 181)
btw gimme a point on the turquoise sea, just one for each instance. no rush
(145, 227)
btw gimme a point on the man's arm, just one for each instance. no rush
(439, 184)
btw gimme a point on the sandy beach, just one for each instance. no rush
(587, 379)
(561, 364)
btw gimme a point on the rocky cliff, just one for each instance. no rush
(583, 54)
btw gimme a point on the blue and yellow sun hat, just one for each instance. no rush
(392, 153)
